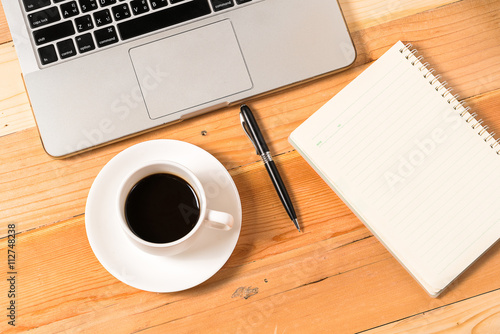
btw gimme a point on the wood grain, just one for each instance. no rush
(61, 186)
(360, 14)
(479, 314)
(4, 30)
(349, 273)
(15, 110)
(333, 277)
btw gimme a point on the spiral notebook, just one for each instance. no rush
(413, 163)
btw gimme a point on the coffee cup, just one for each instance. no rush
(162, 208)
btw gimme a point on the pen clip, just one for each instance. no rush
(247, 131)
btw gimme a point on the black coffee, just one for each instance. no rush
(162, 208)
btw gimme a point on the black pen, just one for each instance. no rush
(253, 132)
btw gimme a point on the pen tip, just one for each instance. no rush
(296, 222)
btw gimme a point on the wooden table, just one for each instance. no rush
(335, 277)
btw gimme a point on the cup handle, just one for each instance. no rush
(219, 220)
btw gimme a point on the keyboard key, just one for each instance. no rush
(84, 23)
(155, 4)
(106, 36)
(239, 2)
(139, 6)
(66, 48)
(105, 3)
(176, 1)
(221, 4)
(85, 43)
(54, 32)
(43, 17)
(30, 5)
(69, 9)
(88, 5)
(163, 18)
(121, 12)
(47, 54)
(102, 17)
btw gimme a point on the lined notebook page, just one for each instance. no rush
(411, 168)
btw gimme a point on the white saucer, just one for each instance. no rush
(149, 272)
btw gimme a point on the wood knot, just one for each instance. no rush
(245, 292)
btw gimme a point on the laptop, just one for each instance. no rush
(97, 71)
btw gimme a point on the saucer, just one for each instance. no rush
(144, 271)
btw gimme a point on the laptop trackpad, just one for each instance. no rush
(190, 69)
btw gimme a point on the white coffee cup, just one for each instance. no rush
(208, 217)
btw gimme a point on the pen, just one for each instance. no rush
(253, 132)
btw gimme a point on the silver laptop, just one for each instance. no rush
(100, 70)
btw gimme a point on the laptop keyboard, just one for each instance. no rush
(63, 29)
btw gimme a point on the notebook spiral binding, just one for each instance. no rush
(463, 110)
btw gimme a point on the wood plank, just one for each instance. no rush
(335, 267)
(15, 110)
(334, 277)
(479, 314)
(4, 29)
(360, 15)
(47, 191)
(474, 22)
(348, 273)
(37, 190)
